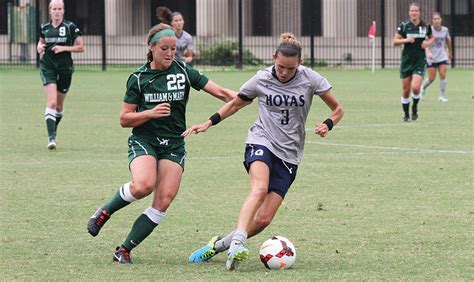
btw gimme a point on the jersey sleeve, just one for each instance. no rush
(196, 78)
(132, 94)
(320, 84)
(429, 31)
(249, 88)
(401, 29)
(75, 32)
(41, 34)
(189, 43)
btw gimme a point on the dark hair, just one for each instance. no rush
(436, 14)
(153, 30)
(164, 14)
(289, 46)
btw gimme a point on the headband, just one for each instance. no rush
(163, 33)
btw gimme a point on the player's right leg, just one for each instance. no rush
(405, 99)
(50, 114)
(431, 76)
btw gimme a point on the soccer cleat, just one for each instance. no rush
(414, 116)
(122, 256)
(97, 220)
(443, 99)
(422, 94)
(205, 253)
(241, 253)
(406, 119)
(52, 144)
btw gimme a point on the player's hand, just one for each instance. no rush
(40, 48)
(159, 111)
(425, 44)
(321, 129)
(197, 128)
(57, 49)
(430, 55)
(409, 39)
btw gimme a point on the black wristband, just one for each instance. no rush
(329, 123)
(215, 118)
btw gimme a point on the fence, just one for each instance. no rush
(236, 33)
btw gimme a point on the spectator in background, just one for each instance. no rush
(184, 43)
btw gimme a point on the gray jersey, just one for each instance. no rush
(438, 48)
(283, 109)
(183, 43)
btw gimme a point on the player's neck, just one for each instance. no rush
(56, 23)
(415, 22)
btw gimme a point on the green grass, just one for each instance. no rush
(377, 199)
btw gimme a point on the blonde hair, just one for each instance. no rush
(289, 46)
(55, 1)
(153, 30)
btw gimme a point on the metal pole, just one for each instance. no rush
(311, 38)
(104, 46)
(241, 48)
(37, 22)
(382, 32)
(453, 33)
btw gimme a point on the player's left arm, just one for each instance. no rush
(219, 92)
(188, 56)
(78, 47)
(323, 128)
(450, 47)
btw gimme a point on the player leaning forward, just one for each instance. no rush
(58, 39)
(275, 142)
(154, 106)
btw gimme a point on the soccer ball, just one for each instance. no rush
(277, 253)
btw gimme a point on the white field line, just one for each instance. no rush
(392, 148)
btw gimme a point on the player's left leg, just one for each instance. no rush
(64, 83)
(415, 89)
(168, 181)
(431, 70)
(442, 69)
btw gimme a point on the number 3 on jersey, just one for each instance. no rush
(176, 81)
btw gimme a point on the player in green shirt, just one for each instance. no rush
(57, 40)
(154, 106)
(415, 35)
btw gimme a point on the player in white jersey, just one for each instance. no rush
(184, 40)
(275, 142)
(437, 57)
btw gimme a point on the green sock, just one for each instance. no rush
(59, 116)
(142, 227)
(50, 118)
(115, 203)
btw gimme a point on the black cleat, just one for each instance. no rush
(406, 119)
(97, 220)
(122, 256)
(414, 116)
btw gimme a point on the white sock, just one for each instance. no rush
(426, 84)
(154, 215)
(442, 87)
(224, 243)
(50, 114)
(239, 239)
(126, 194)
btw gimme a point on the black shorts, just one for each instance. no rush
(61, 77)
(435, 65)
(282, 174)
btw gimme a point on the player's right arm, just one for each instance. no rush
(41, 45)
(224, 112)
(129, 117)
(399, 40)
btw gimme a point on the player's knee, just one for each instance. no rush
(140, 189)
(415, 90)
(259, 192)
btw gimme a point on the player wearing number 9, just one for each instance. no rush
(275, 141)
(154, 106)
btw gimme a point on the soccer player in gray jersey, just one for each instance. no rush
(438, 57)
(184, 40)
(275, 142)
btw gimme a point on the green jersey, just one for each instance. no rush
(148, 87)
(64, 35)
(412, 52)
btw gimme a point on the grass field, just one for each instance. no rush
(378, 199)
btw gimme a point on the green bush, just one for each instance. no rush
(225, 54)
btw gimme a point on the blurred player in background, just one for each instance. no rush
(184, 43)
(57, 40)
(275, 142)
(437, 57)
(415, 35)
(154, 106)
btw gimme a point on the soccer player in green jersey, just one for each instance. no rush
(415, 36)
(154, 106)
(57, 40)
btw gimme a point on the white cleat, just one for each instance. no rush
(52, 144)
(443, 99)
(234, 258)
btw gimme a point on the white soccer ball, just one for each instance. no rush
(277, 253)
